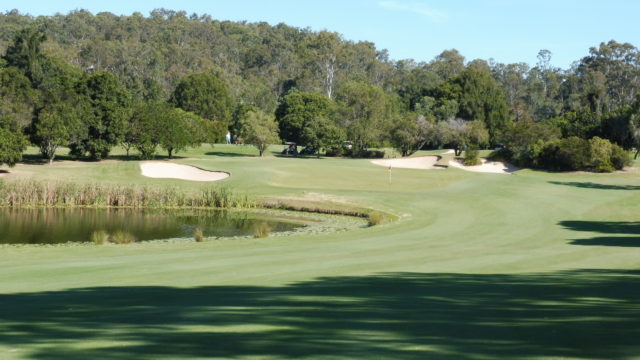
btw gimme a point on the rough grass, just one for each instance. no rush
(536, 265)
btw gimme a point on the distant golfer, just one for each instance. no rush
(228, 137)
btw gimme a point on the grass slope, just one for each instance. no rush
(478, 266)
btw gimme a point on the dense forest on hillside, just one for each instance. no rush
(173, 80)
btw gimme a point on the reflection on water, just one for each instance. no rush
(52, 226)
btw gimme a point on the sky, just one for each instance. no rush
(508, 31)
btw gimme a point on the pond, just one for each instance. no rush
(56, 226)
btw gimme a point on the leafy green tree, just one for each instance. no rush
(55, 126)
(463, 135)
(363, 109)
(617, 127)
(129, 138)
(156, 124)
(411, 132)
(25, 53)
(109, 107)
(481, 99)
(322, 133)
(143, 129)
(297, 111)
(12, 142)
(522, 141)
(205, 95)
(448, 64)
(17, 96)
(179, 130)
(259, 130)
(442, 109)
(416, 85)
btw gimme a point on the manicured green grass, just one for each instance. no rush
(478, 266)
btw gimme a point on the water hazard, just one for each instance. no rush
(55, 226)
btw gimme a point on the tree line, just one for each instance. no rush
(171, 80)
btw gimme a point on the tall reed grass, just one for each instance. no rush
(198, 235)
(32, 193)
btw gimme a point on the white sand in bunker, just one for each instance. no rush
(418, 162)
(497, 167)
(167, 170)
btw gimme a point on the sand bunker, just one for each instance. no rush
(496, 167)
(418, 162)
(167, 170)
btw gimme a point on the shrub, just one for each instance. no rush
(371, 154)
(571, 153)
(471, 157)
(601, 151)
(523, 140)
(334, 151)
(620, 157)
(575, 153)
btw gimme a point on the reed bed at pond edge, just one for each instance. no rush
(43, 194)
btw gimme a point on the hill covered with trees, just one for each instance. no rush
(173, 80)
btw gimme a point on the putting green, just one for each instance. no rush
(478, 266)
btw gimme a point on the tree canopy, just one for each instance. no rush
(322, 88)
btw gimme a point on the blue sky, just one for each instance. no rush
(506, 30)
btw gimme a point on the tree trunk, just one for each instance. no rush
(170, 150)
(51, 152)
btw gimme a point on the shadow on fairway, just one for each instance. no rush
(582, 314)
(592, 185)
(609, 241)
(606, 227)
(31, 159)
(228, 154)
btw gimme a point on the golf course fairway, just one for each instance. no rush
(530, 265)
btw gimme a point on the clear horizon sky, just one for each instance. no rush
(506, 30)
